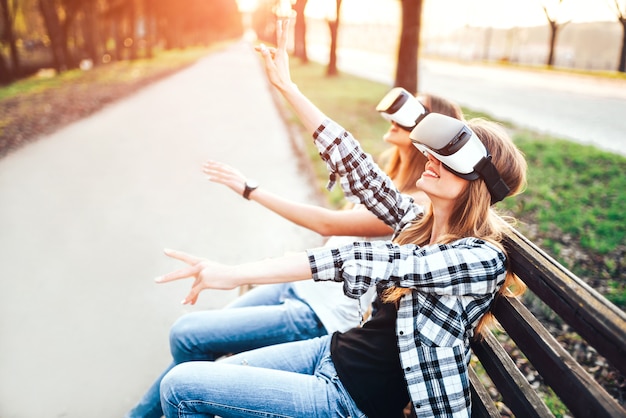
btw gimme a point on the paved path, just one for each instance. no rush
(86, 212)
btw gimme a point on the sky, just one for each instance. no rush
(444, 15)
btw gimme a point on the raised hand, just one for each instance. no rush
(276, 59)
(206, 274)
(225, 174)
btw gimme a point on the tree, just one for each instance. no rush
(74, 30)
(299, 45)
(621, 17)
(554, 29)
(333, 26)
(90, 35)
(5, 74)
(148, 16)
(407, 68)
(55, 34)
(7, 35)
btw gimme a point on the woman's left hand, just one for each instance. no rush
(225, 174)
(206, 274)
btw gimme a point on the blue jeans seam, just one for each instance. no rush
(183, 404)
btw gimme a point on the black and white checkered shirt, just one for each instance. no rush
(453, 284)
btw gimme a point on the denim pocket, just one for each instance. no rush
(344, 404)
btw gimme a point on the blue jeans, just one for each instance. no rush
(295, 379)
(265, 315)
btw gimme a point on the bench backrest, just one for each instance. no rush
(601, 324)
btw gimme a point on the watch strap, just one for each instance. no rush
(248, 189)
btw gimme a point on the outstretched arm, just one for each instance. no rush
(210, 275)
(468, 266)
(343, 155)
(326, 222)
(277, 68)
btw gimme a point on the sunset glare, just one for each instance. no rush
(445, 15)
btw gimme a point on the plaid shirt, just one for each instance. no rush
(453, 284)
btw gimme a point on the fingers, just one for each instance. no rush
(192, 297)
(224, 174)
(214, 167)
(182, 256)
(265, 51)
(281, 33)
(179, 274)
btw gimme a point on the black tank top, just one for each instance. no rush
(367, 361)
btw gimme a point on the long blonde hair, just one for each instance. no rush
(406, 175)
(473, 215)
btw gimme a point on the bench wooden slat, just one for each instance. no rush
(578, 390)
(591, 315)
(517, 393)
(482, 404)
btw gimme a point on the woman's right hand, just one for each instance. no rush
(222, 173)
(206, 275)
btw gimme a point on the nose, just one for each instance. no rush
(432, 158)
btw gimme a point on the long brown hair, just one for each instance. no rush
(406, 175)
(473, 215)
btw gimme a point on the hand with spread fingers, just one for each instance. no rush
(225, 174)
(207, 275)
(211, 275)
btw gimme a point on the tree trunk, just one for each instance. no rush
(554, 27)
(407, 69)
(90, 31)
(70, 55)
(55, 33)
(132, 27)
(622, 57)
(118, 19)
(5, 75)
(9, 36)
(299, 46)
(333, 26)
(148, 18)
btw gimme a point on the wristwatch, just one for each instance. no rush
(251, 185)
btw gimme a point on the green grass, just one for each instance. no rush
(578, 188)
(575, 195)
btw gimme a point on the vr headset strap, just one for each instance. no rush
(496, 186)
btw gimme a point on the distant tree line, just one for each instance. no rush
(407, 75)
(63, 33)
(552, 9)
(407, 65)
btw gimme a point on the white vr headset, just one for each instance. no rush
(402, 108)
(459, 149)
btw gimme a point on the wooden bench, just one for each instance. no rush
(587, 312)
(595, 319)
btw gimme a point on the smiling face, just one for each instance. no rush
(439, 183)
